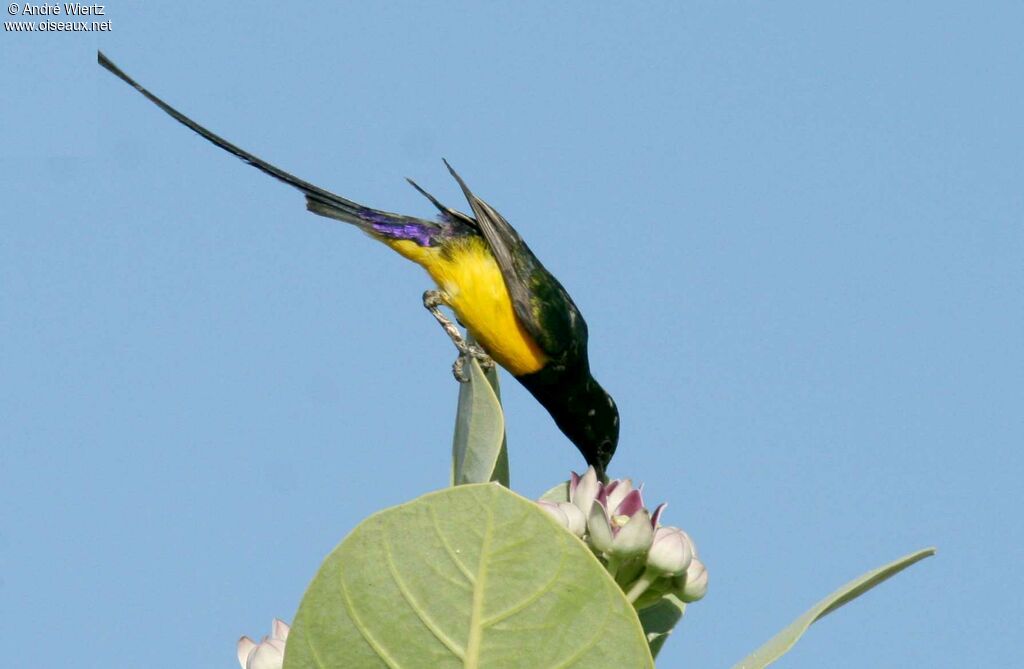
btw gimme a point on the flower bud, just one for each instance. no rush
(635, 537)
(647, 560)
(567, 514)
(616, 490)
(269, 653)
(695, 585)
(621, 536)
(577, 521)
(599, 529)
(554, 511)
(671, 552)
(583, 490)
(630, 503)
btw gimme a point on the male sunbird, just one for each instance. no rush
(519, 313)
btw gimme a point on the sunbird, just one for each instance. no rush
(518, 313)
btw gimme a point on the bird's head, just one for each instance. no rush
(593, 424)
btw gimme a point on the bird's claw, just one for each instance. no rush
(433, 300)
(471, 352)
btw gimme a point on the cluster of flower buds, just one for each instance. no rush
(269, 653)
(646, 559)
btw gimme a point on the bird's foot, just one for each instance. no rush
(473, 352)
(433, 300)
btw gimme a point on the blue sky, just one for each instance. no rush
(794, 230)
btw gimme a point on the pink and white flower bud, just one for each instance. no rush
(647, 560)
(599, 529)
(635, 537)
(671, 552)
(695, 585)
(619, 536)
(616, 490)
(567, 514)
(269, 653)
(577, 520)
(583, 490)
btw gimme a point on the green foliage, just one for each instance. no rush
(479, 449)
(476, 576)
(471, 576)
(559, 493)
(780, 644)
(659, 619)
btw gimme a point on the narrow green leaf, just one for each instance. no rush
(479, 449)
(780, 644)
(468, 577)
(501, 470)
(659, 619)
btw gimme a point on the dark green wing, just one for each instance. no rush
(541, 303)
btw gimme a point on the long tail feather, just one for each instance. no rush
(318, 200)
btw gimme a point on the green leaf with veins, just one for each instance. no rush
(471, 576)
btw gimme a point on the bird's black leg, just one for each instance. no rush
(433, 300)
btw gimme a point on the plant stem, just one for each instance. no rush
(613, 565)
(640, 585)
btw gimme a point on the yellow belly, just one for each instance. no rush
(476, 292)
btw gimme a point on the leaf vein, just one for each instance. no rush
(448, 549)
(363, 629)
(591, 642)
(540, 592)
(316, 655)
(472, 660)
(418, 609)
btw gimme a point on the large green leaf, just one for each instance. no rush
(479, 450)
(471, 576)
(780, 644)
